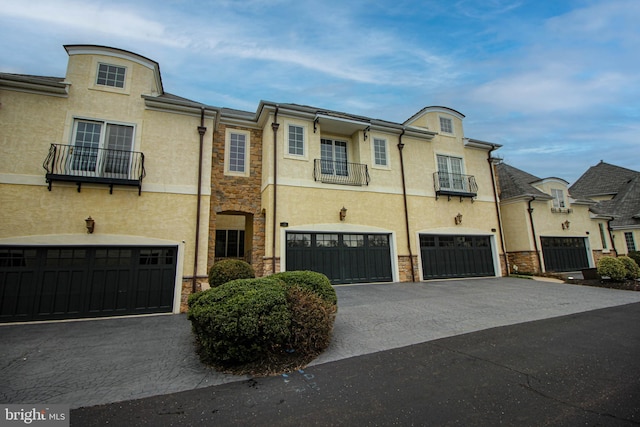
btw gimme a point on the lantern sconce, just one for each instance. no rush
(565, 225)
(458, 219)
(91, 223)
(343, 213)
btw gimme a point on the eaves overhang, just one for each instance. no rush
(340, 125)
(178, 106)
(35, 84)
(484, 145)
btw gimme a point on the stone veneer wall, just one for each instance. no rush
(235, 195)
(404, 267)
(527, 262)
(597, 254)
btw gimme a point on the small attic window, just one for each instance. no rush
(446, 125)
(110, 75)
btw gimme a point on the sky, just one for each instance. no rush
(557, 83)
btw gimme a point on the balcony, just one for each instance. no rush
(453, 184)
(80, 165)
(343, 173)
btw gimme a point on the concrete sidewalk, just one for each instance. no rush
(85, 363)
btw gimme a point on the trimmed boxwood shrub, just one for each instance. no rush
(241, 320)
(311, 321)
(226, 270)
(612, 268)
(632, 271)
(315, 282)
(635, 255)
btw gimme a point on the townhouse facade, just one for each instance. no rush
(358, 199)
(102, 209)
(546, 228)
(117, 197)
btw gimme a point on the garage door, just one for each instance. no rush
(45, 283)
(564, 253)
(449, 256)
(342, 257)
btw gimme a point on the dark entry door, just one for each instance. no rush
(449, 256)
(342, 257)
(564, 253)
(44, 283)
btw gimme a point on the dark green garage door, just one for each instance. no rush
(449, 256)
(45, 283)
(342, 257)
(564, 253)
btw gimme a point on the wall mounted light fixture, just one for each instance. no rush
(458, 219)
(91, 223)
(565, 225)
(343, 213)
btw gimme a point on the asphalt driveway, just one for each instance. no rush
(86, 363)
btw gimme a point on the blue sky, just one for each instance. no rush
(557, 83)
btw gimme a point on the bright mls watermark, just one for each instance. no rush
(34, 415)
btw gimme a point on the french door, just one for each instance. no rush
(333, 156)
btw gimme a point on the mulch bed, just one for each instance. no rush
(627, 285)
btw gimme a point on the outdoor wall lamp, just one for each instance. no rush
(565, 225)
(458, 219)
(343, 213)
(90, 224)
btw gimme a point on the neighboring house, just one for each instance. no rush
(547, 228)
(359, 199)
(99, 192)
(617, 193)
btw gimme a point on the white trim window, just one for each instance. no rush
(558, 198)
(380, 153)
(111, 75)
(236, 158)
(631, 244)
(101, 149)
(446, 125)
(296, 140)
(333, 156)
(602, 235)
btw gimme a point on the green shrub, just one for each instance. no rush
(632, 271)
(634, 255)
(240, 321)
(312, 321)
(229, 269)
(315, 282)
(612, 268)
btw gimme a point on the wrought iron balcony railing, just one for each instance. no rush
(345, 173)
(453, 184)
(94, 165)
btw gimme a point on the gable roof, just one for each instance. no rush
(513, 183)
(622, 183)
(602, 179)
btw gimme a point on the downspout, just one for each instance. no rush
(406, 210)
(533, 230)
(495, 197)
(610, 230)
(275, 125)
(201, 130)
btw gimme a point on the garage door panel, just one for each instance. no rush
(342, 257)
(73, 282)
(451, 256)
(564, 253)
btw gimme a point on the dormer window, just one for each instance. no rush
(446, 125)
(111, 75)
(558, 198)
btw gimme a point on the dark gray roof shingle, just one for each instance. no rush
(513, 182)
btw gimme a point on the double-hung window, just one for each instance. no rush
(296, 140)
(101, 149)
(111, 75)
(333, 156)
(450, 173)
(631, 244)
(446, 125)
(558, 198)
(380, 152)
(237, 153)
